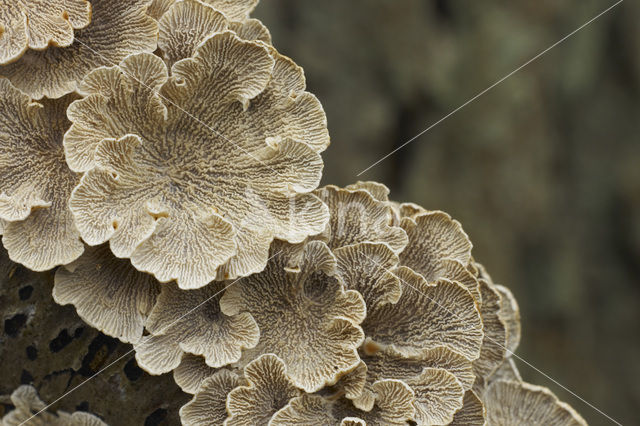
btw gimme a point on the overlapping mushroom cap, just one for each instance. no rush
(193, 176)
(187, 23)
(304, 314)
(190, 322)
(393, 406)
(118, 28)
(27, 403)
(35, 181)
(39, 24)
(108, 293)
(517, 403)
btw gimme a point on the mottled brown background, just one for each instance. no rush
(543, 171)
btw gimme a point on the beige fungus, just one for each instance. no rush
(193, 176)
(38, 24)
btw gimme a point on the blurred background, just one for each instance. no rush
(543, 171)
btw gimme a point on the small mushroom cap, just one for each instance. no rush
(433, 237)
(38, 25)
(118, 28)
(427, 316)
(472, 412)
(108, 293)
(192, 371)
(304, 314)
(510, 316)
(234, 10)
(27, 403)
(182, 199)
(251, 29)
(35, 181)
(438, 396)
(393, 406)
(378, 190)
(517, 403)
(187, 23)
(191, 322)
(208, 406)
(494, 342)
(438, 377)
(268, 391)
(184, 26)
(358, 217)
(366, 268)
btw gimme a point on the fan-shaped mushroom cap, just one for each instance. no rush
(35, 181)
(108, 293)
(27, 403)
(472, 412)
(427, 316)
(187, 23)
(39, 24)
(191, 322)
(402, 210)
(378, 190)
(366, 268)
(184, 26)
(495, 336)
(433, 237)
(208, 407)
(516, 403)
(351, 385)
(213, 195)
(510, 316)
(304, 314)
(192, 371)
(235, 10)
(393, 406)
(251, 29)
(358, 217)
(438, 377)
(118, 28)
(268, 391)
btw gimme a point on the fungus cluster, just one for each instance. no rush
(165, 158)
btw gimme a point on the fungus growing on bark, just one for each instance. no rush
(304, 314)
(118, 28)
(27, 403)
(191, 322)
(517, 403)
(35, 181)
(216, 195)
(38, 25)
(108, 293)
